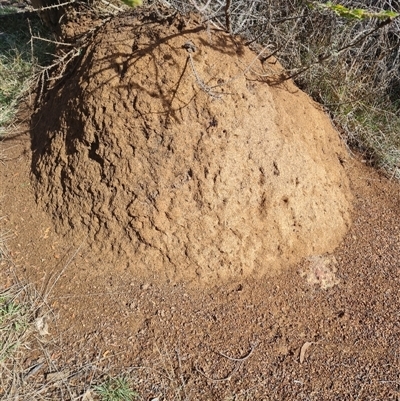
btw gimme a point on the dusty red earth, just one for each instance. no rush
(323, 326)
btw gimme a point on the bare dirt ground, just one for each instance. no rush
(172, 333)
(327, 328)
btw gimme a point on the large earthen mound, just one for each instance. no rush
(168, 150)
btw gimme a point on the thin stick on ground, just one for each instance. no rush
(222, 379)
(242, 359)
(191, 48)
(239, 362)
(228, 16)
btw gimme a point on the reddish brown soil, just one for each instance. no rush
(327, 328)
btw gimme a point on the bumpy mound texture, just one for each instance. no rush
(168, 150)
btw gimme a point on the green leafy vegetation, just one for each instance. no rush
(354, 13)
(133, 3)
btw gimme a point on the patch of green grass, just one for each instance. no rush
(14, 322)
(116, 389)
(20, 59)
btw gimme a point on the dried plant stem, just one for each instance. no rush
(228, 17)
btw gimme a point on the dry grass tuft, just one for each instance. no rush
(22, 326)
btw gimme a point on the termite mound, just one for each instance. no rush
(169, 150)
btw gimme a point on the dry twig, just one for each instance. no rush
(239, 362)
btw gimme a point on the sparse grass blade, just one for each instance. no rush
(116, 389)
